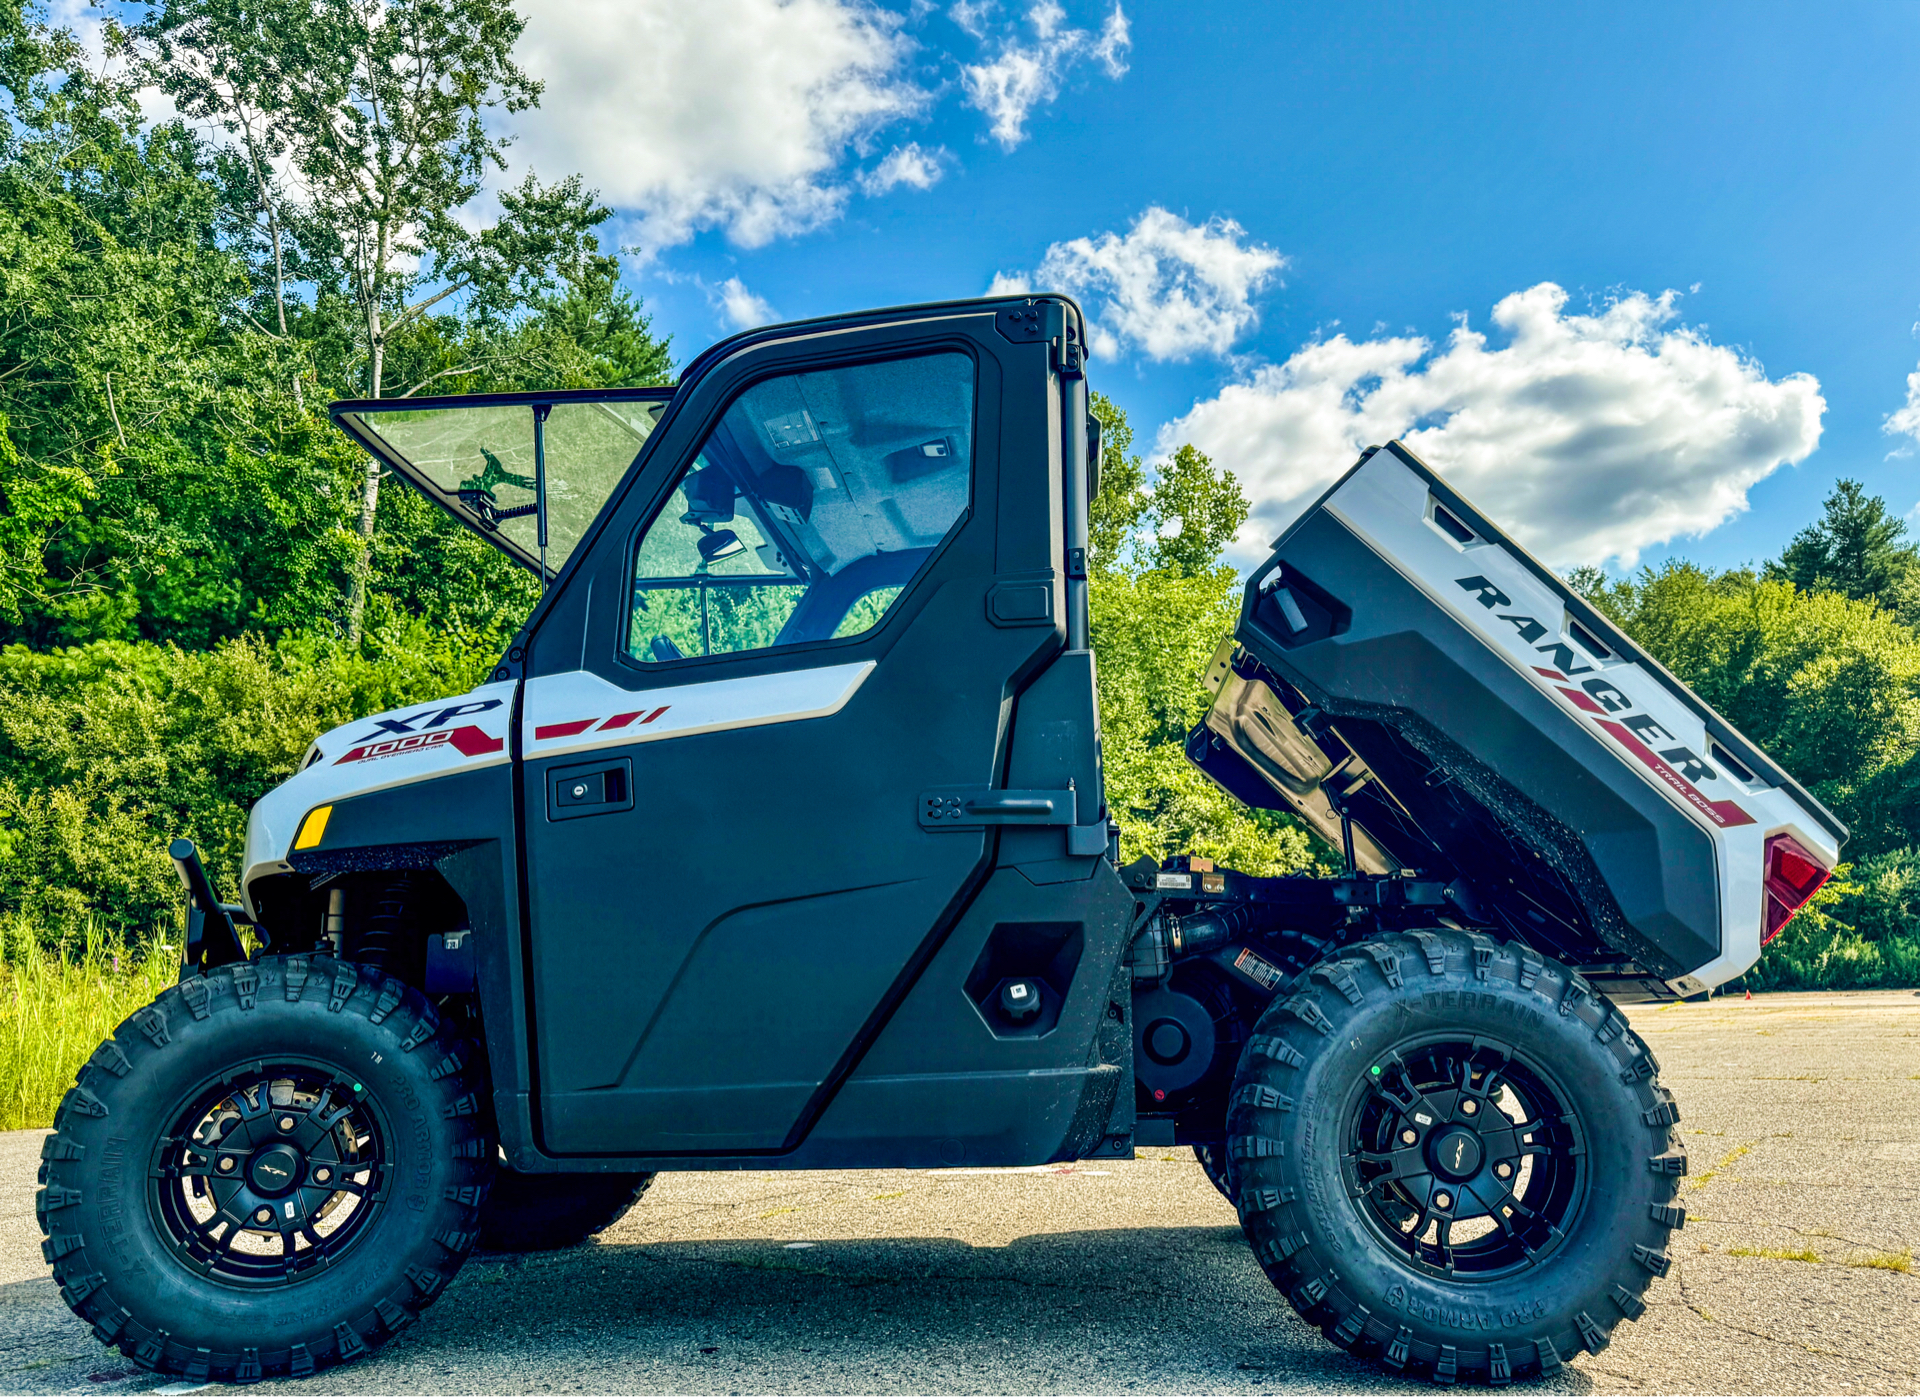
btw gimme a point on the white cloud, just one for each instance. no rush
(971, 15)
(1024, 76)
(1010, 284)
(731, 114)
(909, 164)
(1171, 288)
(1589, 436)
(741, 307)
(1906, 421)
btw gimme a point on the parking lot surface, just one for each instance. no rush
(1801, 1114)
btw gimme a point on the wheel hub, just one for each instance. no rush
(270, 1174)
(1464, 1158)
(275, 1170)
(1456, 1154)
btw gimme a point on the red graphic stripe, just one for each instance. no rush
(1723, 813)
(471, 742)
(613, 724)
(468, 742)
(1550, 673)
(1581, 700)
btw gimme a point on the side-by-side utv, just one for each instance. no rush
(777, 840)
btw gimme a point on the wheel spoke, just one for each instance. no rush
(1481, 1084)
(332, 1128)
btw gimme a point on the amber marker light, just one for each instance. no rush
(314, 828)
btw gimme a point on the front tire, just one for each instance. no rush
(1455, 1158)
(270, 1170)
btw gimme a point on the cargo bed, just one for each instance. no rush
(1400, 659)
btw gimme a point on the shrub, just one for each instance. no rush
(109, 750)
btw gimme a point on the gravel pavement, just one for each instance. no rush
(1801, 1114)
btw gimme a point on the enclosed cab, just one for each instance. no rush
(778, 839)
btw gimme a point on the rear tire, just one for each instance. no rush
(1214, 1162)
(544, 1212)
(1521, 1088)
(270, 1170)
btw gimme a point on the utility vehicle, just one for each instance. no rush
(777, 840)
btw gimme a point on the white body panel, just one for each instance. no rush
(416, 743)
(580, 712)
(564, 713)
(1633, 717)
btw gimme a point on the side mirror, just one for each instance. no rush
(716, 544)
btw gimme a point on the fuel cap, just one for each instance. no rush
(1020, 1000)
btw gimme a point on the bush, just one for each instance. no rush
(109, 750)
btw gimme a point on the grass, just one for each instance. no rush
(1700, 1181)
(1777, 1254)
(55, 1008)
(1901, 1261)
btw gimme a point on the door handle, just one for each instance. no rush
(1011, 805)
(973, 807)
(598, 788)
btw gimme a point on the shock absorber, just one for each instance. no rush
(384, 936)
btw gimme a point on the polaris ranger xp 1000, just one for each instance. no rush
(777, 840)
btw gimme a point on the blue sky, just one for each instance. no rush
(1410, 164)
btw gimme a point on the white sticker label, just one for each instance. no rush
(1174, 880)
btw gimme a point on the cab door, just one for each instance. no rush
(804, 619)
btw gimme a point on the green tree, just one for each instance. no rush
(160, 478)
(381, 106)
(1858, 550)
(1162, 601)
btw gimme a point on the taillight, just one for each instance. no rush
(1793, 876)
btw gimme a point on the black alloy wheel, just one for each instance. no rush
(1468, 1162)
(270, 1170)
(1454, 1157)
(271, 1174)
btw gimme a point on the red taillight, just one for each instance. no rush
(1793, 876)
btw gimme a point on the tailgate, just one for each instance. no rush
(1402, 658)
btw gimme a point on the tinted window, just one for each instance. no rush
(810, 507)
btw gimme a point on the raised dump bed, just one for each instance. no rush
(1403, 660)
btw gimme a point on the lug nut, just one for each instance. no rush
(1503, 1170)
(263, 1215)
(226, 1165)
(286, 1122)
(1469, 1107)
(1443, 1200)
(1407, 1137)
(322, 1174)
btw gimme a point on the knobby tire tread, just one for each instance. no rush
(1298, 1027)
(168, 1025)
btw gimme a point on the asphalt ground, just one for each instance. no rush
(1801, 1114)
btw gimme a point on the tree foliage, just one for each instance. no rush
(1162, 601)
(165, 474)
(1856, 549)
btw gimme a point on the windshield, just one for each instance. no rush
(476, 457)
